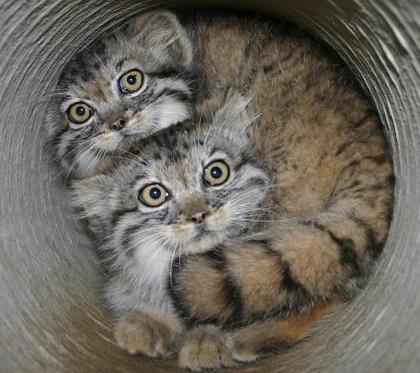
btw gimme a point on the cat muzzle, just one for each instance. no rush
(118, 125)
(198, 217)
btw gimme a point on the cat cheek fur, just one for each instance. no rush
(158, 116)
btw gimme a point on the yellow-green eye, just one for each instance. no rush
(79, 112)
(131, 81)
(216, 173)
(153, 195)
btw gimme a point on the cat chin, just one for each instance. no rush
(134, 133)
(109, 142)
(204, 242)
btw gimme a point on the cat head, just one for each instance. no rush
(187, 191)
(129, 85)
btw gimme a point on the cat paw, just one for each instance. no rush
(205, 347)
(243, 354)
(246, 348)
(139, 333)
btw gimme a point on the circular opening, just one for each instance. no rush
(49, 285)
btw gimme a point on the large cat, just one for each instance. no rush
(184, 192)
(128, 85)
(332, 192)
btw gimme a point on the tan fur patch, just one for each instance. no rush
(257, 275)
(313, 259)
(203, 290)
(153, 336)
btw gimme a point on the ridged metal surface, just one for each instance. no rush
(51, 320)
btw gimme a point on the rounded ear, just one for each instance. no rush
(161, 31)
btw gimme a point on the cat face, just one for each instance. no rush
(187, 191)
(130, 85)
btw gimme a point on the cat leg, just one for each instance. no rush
(235, 284)
(209, 347)
(265, 337)
(152, 334)
(307, 263)
(205, 347)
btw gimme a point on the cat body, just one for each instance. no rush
(239, 296)
(182, 193)
(125, 87)
(331, 192)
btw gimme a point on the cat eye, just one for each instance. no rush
(216, 173)
(131, 81)
(153, 195)
(79, 113)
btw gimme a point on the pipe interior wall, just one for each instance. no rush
(52, 320)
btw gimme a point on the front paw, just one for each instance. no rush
(139, 333)
(244, 354)
(205, 347)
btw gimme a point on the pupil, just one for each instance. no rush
(131, 79)
(80, 111)
(155, 193)
(216, 172)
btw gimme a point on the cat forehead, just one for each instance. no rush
(92, 72)
(177, 161)
(182, 171)
(98, 82)
(177, 156)
(97, 89)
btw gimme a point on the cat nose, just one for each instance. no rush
(118, 125)
(198, 217)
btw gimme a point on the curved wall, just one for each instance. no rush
(50, 317)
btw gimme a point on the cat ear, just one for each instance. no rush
(161, 31)
(234, 118)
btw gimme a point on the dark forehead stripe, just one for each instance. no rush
(247, 159)
(164, 74)
(182, 96)
(119, 64)
(224, 150)
(214, 151)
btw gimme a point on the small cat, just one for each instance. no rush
(184, 192)
(129, 85)
(332, 192)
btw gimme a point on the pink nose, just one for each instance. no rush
(198, 217)
(118, 124)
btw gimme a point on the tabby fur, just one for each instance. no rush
(332, 192)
